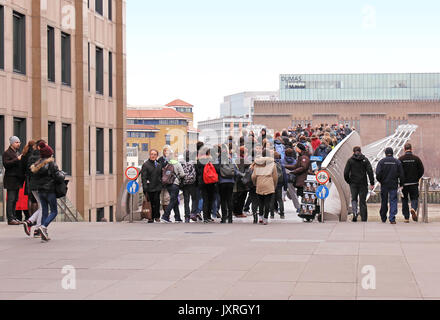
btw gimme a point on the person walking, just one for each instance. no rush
(291, 190)
(172, 176)
(151, 175)
(357, 172)
(413, 170)
(47, 173)
(389, 173)
(265, 178)
(163, 161)
(189, 188)
(13, 179)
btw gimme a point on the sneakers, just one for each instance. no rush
(261, 220)
(283, 217)
(27, 227)
(393, 222)
(193, 217)
(187, 220)
(178, 221)
(44, 234)
(265, 222)
(414, 215)
(272, 216)
(37, 234)
(165, 220)
(150, 221)
(406, 220)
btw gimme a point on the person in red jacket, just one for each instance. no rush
(315, 143)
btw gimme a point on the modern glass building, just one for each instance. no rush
(360, 87)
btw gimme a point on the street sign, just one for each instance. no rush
(133, 187)
(132, 173)
(322, 192)
(318, 159)
(322, 177)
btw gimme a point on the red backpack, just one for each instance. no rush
(210, 175)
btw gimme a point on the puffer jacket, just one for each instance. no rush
(265, 175)
(44, 171)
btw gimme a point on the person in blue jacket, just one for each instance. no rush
(389, 173)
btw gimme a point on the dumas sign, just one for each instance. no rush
(293, 82)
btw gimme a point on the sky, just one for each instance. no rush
(202, 50)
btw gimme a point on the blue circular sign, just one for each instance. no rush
(322, 192)
(133, 187)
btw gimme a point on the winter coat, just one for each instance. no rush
(151, 174)
(200, 169)
(315, 143)
(301, 169)
(14, 177)
(242, 166)
(283, 170)
(357, 169)
(32, 184)
(389, 173)
(412, 167)
(44, 171)
(265, 175)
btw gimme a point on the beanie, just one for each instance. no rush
(46, 152)
(13, 140)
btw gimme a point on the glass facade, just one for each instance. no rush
(360, 87)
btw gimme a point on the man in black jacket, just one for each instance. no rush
(13, 179)
(389, 173)
(151, 174)
(414, 171)
(355, 174)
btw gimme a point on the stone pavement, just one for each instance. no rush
(284, 260)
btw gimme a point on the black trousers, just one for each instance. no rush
(278, 201)
(190, 193)
(239, 199)
(11, 203)
(226, 190)
(361, 192)
(266, 204)
(410, 192)
(154, 198)
(208, 193)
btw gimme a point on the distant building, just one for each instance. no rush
(217, 131)
(153, 127)
(242, 104)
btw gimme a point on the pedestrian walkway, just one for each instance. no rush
(239, 261)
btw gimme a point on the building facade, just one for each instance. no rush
(63, 79)
(156, 126)
(242, 104)
(217, 131)
(375, 109)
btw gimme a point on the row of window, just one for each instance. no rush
(99, 8)
(184, 110)
(140, 134)
(136, 145)
(19, 54)
(171, 122)
(236, 125)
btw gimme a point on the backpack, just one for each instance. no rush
(190, 174)
(60, 184)
(281, 150)
(280, 174)
(168, 176)
(246, 180)
(227, 171)
(210, 175)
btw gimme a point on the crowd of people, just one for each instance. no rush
(32, 179)
(251, 175)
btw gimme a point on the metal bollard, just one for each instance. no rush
(425, 189)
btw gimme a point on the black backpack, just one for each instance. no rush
(227, 171)
(60, 184)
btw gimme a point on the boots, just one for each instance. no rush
(255, 218)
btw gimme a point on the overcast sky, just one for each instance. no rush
(202, 50)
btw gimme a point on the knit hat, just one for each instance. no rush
(42, 144)
(389, 152)
(46, 152)
(13, 140)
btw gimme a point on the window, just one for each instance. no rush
(20, 131)
(50, 54)
(111, 214)
(90, 152)
(145, 147)
(99, 151)
(110, 142)
(99, 214)
(67, 148)
(98, 6)
(110, 10)
(110, 74)
(51, 135)
(99, 71)
(135, 145)
(168, 139)
(88, 65)
(19, 43)
(65, 59)
(2, 38)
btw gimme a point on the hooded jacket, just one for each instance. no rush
(389, 173)
(413, 168)
(265, 175)
(44, 173)
(357, 169)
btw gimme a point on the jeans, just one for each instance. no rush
(226, 190)
(392, 193)
(216, 204)
(173, 190)
(410, 192)
(360, 191)
(208, 194)
(190, 193)
(11, 203)
(266, 204)
(154, 198)
(48, 200)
